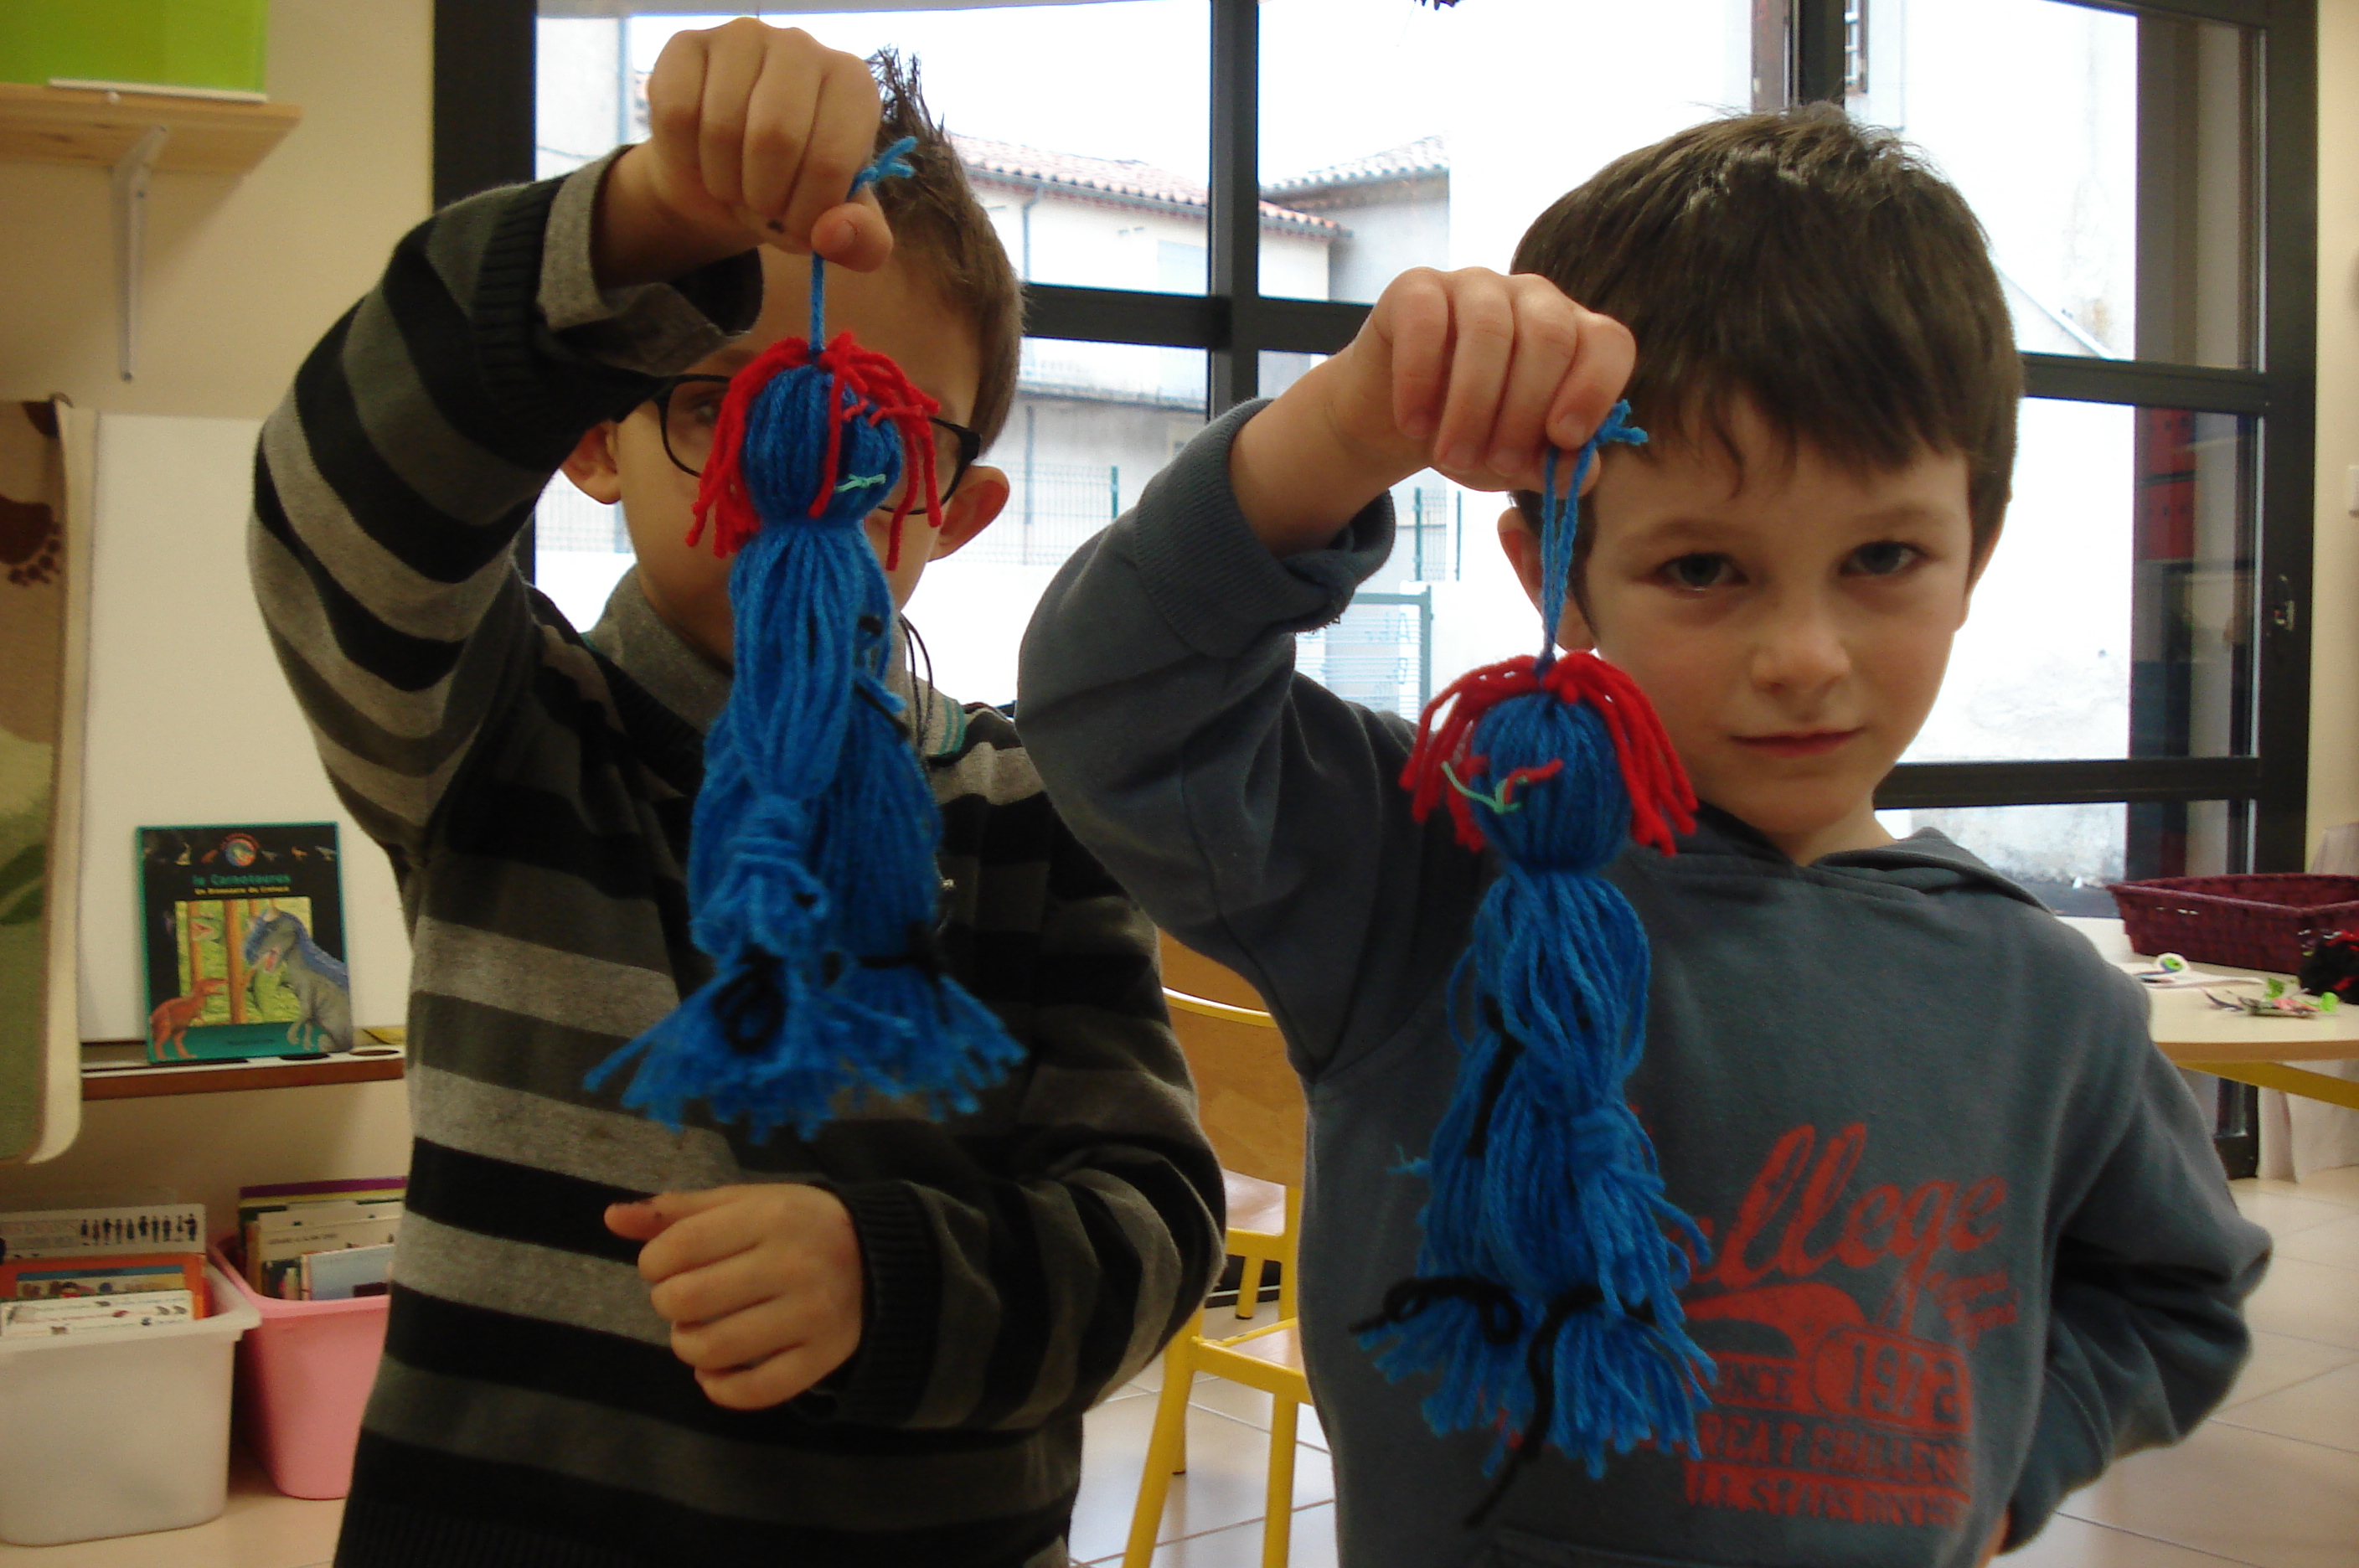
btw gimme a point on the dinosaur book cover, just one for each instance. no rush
(244, 928)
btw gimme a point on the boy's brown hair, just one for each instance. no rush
(1811, 266)
(939, 225)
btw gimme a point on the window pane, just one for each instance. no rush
(1098, 183)
(2066, 855)
(1392, 120)
(2115, 616)
(1090, 424)
(2118, 188)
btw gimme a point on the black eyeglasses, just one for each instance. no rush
(687, 406)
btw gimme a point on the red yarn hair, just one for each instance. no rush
(877, 391)
(1662, 801)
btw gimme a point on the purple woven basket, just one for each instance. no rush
(2260, 920)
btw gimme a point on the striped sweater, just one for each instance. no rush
(534, 788)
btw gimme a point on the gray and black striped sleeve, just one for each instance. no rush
(1025, 1286)
(392, 481)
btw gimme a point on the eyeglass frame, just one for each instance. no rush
(970, 443)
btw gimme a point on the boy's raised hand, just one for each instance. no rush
(762, 1285)
(1470, 373)
(755, 134)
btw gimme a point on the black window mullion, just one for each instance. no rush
(1817, 51)
(1928, 785)
(2288, 329)
(2202, 389)
(2236, 13)
(1235, 216)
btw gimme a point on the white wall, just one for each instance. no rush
(243, 275)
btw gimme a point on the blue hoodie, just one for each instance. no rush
(1970, 1240)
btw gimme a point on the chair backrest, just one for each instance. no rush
(1248, 1096)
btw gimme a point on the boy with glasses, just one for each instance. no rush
(874, 1346)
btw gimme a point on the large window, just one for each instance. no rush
(1204, 194)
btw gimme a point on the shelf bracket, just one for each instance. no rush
(131, 173)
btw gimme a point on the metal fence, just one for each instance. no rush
(1052, 509)
(1433, 535)
(565, 519)
(1379, 655)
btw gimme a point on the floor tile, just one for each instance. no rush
(1225, 1483)
(2320, 1409)
(1252, 1406)
(1239, 1546)
(2249, 1497)
(2279, 1362)
(260, 1528)
(2070, 1542)
(2335, 1242)
(2308, 1300)
(2283, 1209)
(2337, 1186)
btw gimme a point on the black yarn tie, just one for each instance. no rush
(925, 954)
(749, 1007)
(1501, 1317)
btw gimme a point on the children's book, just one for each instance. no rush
(351, 1271)
(148, 1228)
(244, 928)
(82, 1314)
(279, 1224)
(60, 1278)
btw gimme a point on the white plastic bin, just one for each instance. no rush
(118, 1432)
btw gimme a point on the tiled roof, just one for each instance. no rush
(1127, 182)
(1418, 159)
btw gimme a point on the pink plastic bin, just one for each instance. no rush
(302, 1376)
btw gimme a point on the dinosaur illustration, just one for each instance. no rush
(168, 1024)
(322, 986)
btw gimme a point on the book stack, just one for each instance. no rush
(319, 1241)
(82, 1271)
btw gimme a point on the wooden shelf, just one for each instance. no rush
(377, 1059)
(61, 125)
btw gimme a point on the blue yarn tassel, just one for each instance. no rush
(1546, 1299)
(812, 866)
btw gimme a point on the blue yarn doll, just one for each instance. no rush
(811, 866)
(1546, 1294)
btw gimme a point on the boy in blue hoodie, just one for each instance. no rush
(1968, 1240)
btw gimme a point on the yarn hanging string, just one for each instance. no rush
(812, 862)
(1545, 1305)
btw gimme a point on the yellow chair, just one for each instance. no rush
(1251, 1106)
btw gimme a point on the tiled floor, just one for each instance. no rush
(2271, 1481)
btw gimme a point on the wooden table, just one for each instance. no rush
(2195, 1034)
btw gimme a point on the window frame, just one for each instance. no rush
(483, 137)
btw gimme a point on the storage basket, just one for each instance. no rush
(2261, 921)
(303, 1376)
(118, 1432)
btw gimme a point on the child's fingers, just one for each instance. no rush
(700, 1228)
(1483, 337)
(1548, 341)
(1600, 373)
(778, 123)
(844, 119)
(772, 1381)
(717, 1290)
(745, 1337)
(733, 62)
(636, 1222)
(1413, 321)
(675, 106)
(854, 235)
